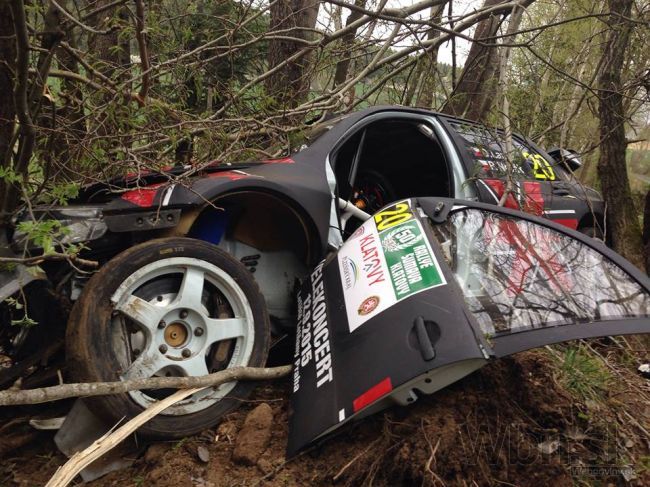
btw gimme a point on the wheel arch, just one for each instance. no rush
(262, 218)
(590, 218)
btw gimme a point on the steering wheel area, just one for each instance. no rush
(371, 192)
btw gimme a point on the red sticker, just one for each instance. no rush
(371, 395)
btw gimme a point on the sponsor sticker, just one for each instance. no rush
(312, 351)
(368, 305)
(389, 260)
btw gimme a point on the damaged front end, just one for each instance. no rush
(429, 290)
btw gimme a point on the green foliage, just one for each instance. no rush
(44, 234)
(24, 320)
(583, 374)
(61, 193)
(540, 92)
(195, 23)
(9, 175)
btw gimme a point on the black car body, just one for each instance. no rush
(278, 219)
(369, 158)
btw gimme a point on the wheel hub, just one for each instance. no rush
(176, 334)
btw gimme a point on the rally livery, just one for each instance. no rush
(403, 287)
(462, 283)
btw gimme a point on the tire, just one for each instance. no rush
(139, 315)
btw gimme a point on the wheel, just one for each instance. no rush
(593, 231)
(168, 307)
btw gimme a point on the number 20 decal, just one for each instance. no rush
(393, 215)
(541, 167)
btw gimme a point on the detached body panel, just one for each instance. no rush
(429, 290)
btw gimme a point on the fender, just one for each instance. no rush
(305, 191)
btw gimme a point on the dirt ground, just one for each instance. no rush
(515, 422)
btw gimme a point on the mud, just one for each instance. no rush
(511, 423)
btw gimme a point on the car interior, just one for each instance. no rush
(388, 160)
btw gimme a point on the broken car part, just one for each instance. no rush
(413, 302)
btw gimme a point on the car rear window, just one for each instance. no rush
(486, 148)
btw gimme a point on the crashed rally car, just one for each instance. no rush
(411, 276)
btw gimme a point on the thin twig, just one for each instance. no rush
(56, 256)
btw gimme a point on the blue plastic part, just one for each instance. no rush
(210, 226)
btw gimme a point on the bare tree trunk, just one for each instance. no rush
(504, 55)
(474, 95)
(612, 169)
(64, 145)
(343, 65)
(646, 232)
(412, 83)
(21, 99)
(290, 84)
(7, 108)
(425, 97)
(109, 49)
(478, 78)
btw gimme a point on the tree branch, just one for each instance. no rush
(144, 54)
(66, 391)
(65, 474)
(39, 259)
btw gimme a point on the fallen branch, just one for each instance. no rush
(80, 460)
(66, 391)
(56, 256)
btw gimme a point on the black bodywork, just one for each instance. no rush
(301, 180)
(294, 208)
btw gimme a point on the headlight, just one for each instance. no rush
(76, 224)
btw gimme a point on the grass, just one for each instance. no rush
(583, 374)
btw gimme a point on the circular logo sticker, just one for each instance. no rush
(405, 236)
(368, 305)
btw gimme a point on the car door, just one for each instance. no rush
(430, 289)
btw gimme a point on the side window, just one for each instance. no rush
(388, 159)
(516, 275)
(534, 164)
(486, 149)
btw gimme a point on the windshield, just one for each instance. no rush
(517, 275)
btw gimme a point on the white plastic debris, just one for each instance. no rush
(50, 424)
(548, 447)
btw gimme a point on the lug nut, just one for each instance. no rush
(186, 352)
(183, 314)
(162, 348)
(162, 324)
(198, 332)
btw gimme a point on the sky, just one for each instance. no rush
(460, 7)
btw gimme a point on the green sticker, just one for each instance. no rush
(410, 260)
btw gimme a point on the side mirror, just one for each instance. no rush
(566, 158)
